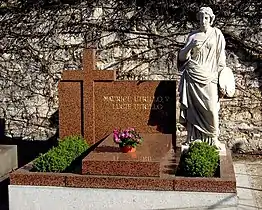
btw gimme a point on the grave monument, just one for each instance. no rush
(92, 103)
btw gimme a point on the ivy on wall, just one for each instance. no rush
(39, 39)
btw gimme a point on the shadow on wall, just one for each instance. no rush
(26, 150)
(237, 147)
(54, 121)
(163, 109)
(258, 71)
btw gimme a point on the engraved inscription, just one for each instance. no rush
(136, 102)
(134, 156)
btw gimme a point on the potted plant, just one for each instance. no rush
(127, 139)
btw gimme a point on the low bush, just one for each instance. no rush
(201, 160)
(59, 158)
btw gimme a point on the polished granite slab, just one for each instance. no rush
(167, 180)
(152, 167)
(107, 159)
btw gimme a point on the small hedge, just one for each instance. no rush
(59, 158)
(201, 160)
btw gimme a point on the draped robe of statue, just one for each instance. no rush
(198, 88)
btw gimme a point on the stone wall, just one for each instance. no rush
(241, 117)
(38, 43)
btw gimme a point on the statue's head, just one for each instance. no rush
(205, 16)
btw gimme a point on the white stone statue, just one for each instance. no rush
(202, 59)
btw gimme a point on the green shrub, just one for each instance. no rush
(201, 160)
(59, 158)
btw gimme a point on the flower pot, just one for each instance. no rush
(128, 148)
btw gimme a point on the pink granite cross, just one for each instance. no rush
(76, 98)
